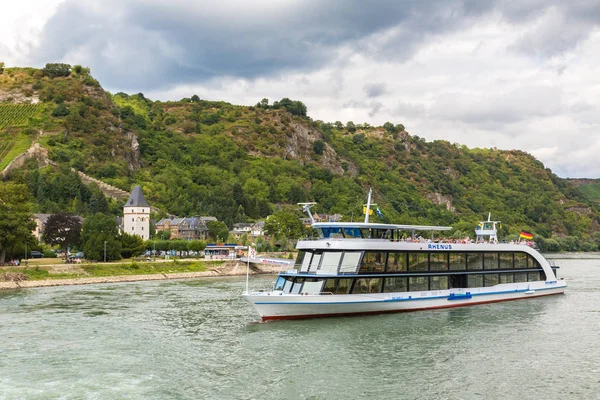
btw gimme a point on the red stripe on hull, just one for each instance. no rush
(307, 316)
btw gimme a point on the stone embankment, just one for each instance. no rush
(35, 151)
(41, 154)
(228, 269)
(108, 190)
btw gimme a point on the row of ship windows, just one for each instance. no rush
(401, 283)
(394, 262)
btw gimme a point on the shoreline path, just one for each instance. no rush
(227, 269)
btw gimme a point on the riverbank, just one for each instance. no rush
(229, 268)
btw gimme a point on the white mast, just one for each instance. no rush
(306, 209)
(368, 206)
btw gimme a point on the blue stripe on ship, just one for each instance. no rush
(395, 299)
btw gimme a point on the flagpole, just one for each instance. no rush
(248, 267)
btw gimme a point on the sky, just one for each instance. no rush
(513, 74)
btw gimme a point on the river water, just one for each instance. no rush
(198, 339)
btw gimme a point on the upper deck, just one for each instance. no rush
(367, 230)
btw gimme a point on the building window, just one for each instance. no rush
(142, 210)
(132, 228)
(142, 228)
(132, 219)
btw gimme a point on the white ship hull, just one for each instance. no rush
(277, 305)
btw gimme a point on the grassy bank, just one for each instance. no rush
(104, 270)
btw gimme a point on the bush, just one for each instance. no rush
(61, 110)
(53, 70)
(318, 147)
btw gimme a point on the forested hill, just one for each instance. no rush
(238, 163)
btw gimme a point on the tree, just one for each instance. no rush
(388, 126)
(163, 235)
(351, 127)
(284, 224)
(318, 147)
(54, 70)
(1, 68)
(97, 229)
(195, 98)
(264, 103)
(61, 110)
(62, 229)
(131, 245)
(16, 219)
(218, 230)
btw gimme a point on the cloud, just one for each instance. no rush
(500, 73)
(178, 41)
(375, 89)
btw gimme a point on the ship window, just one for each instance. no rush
(474, 261)
(396, 262)
(288, 285)
(297, 285)
(333, 232)
(366, 233)
(304, 260)
(417, 261)
(330, 285)
(533, 276)
(350, 261)
(330, 262)
(532, 262)
(280, 283)
(490, 279)
(344, 286)
(418, 283)
(314, 264)
(395, 284)
(490, 260)
(474, 281)
(312, 286)
(367, 285)
(438, 261)
(520, 260)
(520, 277)
(507, 278)
(438, 282)
(352, 232)
(506, 260)
(373, 262)
(458, 261)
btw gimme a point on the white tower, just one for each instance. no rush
(136, 215)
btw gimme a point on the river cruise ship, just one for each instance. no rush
(356, 268)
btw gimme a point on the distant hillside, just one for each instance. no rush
(238, 163)
(590, 188)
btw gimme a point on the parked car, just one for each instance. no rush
(75, 258)
(36, 254)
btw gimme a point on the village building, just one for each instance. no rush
(136, 215)
(40, 223)
(186, 228)
(254, 229)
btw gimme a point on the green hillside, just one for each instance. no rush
(591, 191)
(241, 163)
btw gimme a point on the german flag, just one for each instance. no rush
(526, 235)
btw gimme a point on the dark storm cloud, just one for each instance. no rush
(134, 44)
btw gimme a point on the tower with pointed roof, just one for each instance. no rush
(136, 214)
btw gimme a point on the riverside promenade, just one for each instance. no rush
(228, 268)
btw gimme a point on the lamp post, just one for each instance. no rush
(26, 263)
(105, 251)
